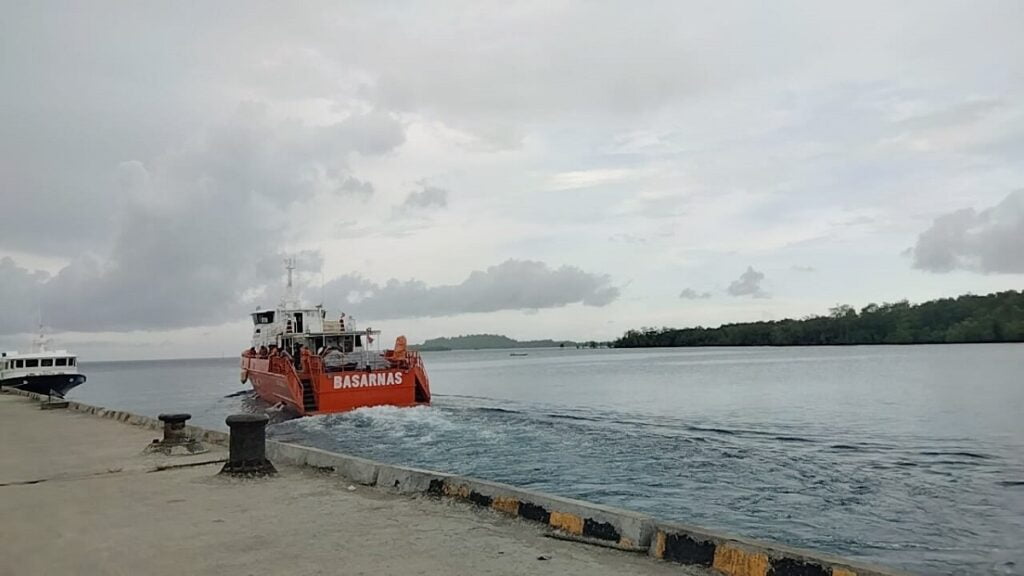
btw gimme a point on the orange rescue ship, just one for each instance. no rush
(311, 365)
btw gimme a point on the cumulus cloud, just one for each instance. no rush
(691, 294)
(427, 197)
(356, 187)
(990, 241)
(748, 284)
(511, 285)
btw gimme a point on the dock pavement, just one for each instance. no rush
(78, 495)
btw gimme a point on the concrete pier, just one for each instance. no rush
(79, 495)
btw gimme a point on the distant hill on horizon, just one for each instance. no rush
(486, 342)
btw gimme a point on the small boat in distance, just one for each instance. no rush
(518, 354)
(49, 372)
(312, 365)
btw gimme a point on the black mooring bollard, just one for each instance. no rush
(248, 446)
(174, 428)
(176, 440)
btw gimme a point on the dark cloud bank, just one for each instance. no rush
(85, 298)
(197, 236)
(511, 285)
(95, 301)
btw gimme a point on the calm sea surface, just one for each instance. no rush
(911, 457)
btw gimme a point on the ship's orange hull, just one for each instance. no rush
(277, 382)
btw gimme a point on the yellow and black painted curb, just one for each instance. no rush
(626, 530)
(739, 557)
(576, 522)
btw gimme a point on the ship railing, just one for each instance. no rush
(356, 361)
(361, 360)
(408, 360)
(282, 363)
(331, 326)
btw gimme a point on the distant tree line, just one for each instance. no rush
(995, 317)
(487, 342)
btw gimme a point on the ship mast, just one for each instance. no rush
(39, 342)
(288, 300)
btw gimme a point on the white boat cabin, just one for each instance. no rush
(42, 363)
(337, 341)
(291, 326)
(273, 327)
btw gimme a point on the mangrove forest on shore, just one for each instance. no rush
(995, 317)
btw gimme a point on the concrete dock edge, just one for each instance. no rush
(404, 480)
(358, 470)
(677, 543)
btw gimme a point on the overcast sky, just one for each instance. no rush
(549, 169)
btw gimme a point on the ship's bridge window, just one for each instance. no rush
(62, 362)
(263, 317)
(71, 361)
(33, 363)
(19, 363)
(47, 362)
